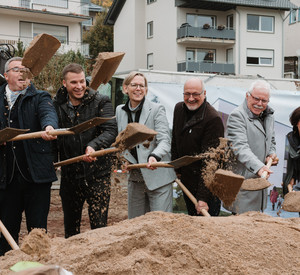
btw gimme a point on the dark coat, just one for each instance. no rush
(35, 112)
(193, 137)
(100, 137)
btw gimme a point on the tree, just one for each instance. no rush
(100, 37)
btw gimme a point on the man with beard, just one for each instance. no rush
(250, 132)
(197, 126)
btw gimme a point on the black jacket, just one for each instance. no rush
(100, 137)
(193, 133)
(35, 111)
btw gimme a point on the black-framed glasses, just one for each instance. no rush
(135, 86)
(17, 70)
(194, 95)
(257, 99)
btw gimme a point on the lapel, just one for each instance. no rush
(259, 126)
(146, 110)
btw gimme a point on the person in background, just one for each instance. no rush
(279, 202)
(149, 189)
(89, 180)
(293, 163)
(251, 136)
(197, 126)
(26, 167)
(273, 197)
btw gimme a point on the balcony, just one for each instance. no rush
(220, 34)
(205, 67)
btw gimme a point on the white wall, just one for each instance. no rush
(259, 40)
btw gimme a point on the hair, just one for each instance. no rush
(72, 68)
(16, 58)
(196, 78)
(260, 84)
(294, 118)
(274, 188)
(131, 76)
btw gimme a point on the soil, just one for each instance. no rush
(163, 243)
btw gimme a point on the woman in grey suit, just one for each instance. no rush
(149, 189)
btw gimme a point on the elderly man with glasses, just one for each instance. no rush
(250, 132)
(197, 126)
(26, 167)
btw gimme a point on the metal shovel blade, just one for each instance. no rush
(292, 202)
(89, 124)
(225, 185)
(9, 133)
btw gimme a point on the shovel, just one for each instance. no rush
(177, 163)
(291, 201)
(258, 183)
(190, 195)
(13, 135)
(8, 237)
(133, 134)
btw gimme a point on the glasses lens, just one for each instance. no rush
(135, 86)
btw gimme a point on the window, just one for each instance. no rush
(201, 55)
(150, 29)
(230, 22)
(150, 61)
(260, 23)
(260, 57)
(29, 30)
(54, 3)
(229, 56)
(293, 16)
(196, 20)
(150, 1)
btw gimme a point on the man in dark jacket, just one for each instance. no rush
(26, 167)
(88, 180)
(197, 126)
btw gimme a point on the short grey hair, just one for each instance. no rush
(16, 58)
(260, 84)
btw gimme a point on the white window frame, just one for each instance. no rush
(260, 17)
(197, 51)
(150, 29)
(150, 61)
(293, 16)
(195, 20)
(261, 55)
(230, 19)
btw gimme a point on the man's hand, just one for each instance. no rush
(150, 161)
(46, 135)
(87, 158)
(264, 168)
(274, 158)
(201, 205)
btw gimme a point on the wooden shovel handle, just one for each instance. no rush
(80, 158)
(265, 173)
(190, 195)
(144, 165)
(39, 134)
(8, 237)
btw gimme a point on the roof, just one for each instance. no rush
(221, 5)
(114, 12)
(230, 4)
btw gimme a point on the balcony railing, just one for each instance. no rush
(205, 67)
(210, 32)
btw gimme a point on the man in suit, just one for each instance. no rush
(197, 126)
(250, 132)
(148, 189)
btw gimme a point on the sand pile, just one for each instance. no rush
(164, 243)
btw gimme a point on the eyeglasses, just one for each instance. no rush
(257, 99)
(17, 70)
(194, 95)
(135, 86)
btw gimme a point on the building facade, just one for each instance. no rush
(226, 37)
(24, 19)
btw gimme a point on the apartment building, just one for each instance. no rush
(239, 37)
(24, 19)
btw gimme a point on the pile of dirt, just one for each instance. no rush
(166, 243)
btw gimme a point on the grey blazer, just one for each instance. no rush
(153, 115)
(251, 142)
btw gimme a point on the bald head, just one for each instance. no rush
(194, 93)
